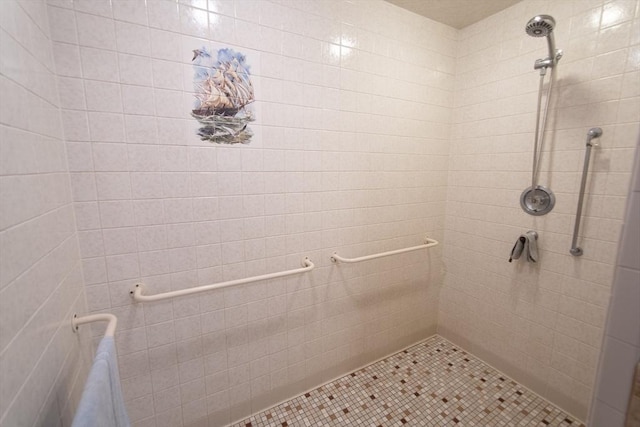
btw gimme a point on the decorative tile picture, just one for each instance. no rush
(224, 92)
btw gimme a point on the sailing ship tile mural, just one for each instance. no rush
(224, 94)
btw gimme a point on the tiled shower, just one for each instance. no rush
(372, 129)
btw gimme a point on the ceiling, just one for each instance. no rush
(455, 13)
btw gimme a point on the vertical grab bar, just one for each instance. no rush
(593, 133)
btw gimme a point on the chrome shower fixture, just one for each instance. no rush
(537, 199)
(542, 26)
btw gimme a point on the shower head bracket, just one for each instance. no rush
(548, 62)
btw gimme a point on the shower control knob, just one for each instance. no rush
(537, 202)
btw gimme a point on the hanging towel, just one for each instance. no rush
(527, 245)
(102, 404)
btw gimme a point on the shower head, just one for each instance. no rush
(542, 26)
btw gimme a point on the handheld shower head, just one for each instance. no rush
(542, 26)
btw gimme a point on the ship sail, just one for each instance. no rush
(227, 89)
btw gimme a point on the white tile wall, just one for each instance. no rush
(541, 323)
(621, 345)
(350, 153)
(42, 363)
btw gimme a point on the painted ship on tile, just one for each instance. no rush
(224, 93)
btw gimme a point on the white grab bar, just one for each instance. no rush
(138, 297)
(335, 258)
(104, 317)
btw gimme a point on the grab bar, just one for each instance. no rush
(593, 133)
(103, 317)
(138, 297)
(335, 258)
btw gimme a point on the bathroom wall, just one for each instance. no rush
(349, 154)
(542, 324)
(621, 346)
(43, 364)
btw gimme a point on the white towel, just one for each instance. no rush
(526, 244)
(102, 404)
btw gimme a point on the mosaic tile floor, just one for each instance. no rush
(433, 383)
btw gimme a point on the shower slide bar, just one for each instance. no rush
(138, 297)
(335, 258)
(104, 317)
(593, 133)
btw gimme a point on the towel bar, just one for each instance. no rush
(335, 258)
(138, 297)
(103, 317)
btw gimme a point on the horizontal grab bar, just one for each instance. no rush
(138, 297)
(335, 258)
(104, 317)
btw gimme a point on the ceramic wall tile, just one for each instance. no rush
(363, 139)
(41, 280)
(205, 202)
(621, 345)
(494, 118)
